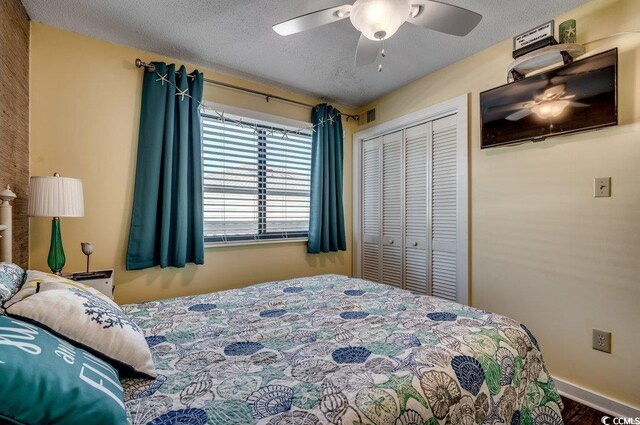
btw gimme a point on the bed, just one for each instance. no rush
(339, 350)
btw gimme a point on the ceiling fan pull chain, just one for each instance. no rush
(383, 53)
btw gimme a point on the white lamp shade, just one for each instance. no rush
(55, 197)
(379, 19)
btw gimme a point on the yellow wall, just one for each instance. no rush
(543, 250)
(84, 123)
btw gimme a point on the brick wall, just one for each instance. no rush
(14, 118)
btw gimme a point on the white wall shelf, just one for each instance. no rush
(543, 58)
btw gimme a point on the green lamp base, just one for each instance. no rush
(56, 258)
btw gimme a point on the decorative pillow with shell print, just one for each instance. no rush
(84, 316)
(11, 279)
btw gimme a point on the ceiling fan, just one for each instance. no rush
(550, 104)
(378, 20)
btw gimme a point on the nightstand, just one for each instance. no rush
(102, 280)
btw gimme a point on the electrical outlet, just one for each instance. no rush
(602, 187)
(601, 341)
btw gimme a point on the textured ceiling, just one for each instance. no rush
(235, 36)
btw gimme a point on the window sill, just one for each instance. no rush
(249, 243)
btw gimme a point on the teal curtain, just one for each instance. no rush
(326, 219)
(167, 218)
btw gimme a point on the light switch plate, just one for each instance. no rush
(602, 187)
(601, 341)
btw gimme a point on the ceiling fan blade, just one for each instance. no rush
(444, 17)
(579, 105)
(554, 91)
(367, 51)
(313, 20)
(511, 107)
(516, 116)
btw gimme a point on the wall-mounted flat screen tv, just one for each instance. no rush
(575, 97)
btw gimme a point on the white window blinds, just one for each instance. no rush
(256, 180)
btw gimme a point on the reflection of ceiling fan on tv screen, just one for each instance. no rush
(575, 97)
(378, 20)
(550, 104)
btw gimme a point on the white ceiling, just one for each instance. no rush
(235, 36)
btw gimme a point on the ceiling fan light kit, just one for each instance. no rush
(378, 20)
(550, 109)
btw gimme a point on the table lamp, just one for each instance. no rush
(56, 197)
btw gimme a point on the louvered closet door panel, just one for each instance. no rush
(416, 267)
(443, 213)
(371, 199)
(392, 223)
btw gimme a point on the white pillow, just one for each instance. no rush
(86, 317)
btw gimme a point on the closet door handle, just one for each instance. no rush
(391, 242)
(415, 243)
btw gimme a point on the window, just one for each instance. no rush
(256, 180)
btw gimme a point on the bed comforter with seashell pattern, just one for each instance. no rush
(332, 349)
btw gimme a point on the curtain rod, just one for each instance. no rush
(151, 68)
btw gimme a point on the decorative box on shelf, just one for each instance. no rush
(102, 280)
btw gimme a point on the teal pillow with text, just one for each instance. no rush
(46, 380)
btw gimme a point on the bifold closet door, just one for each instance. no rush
(371, 207)
(444, 218)
(392, 211)
(416, 262)
(409, 208)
